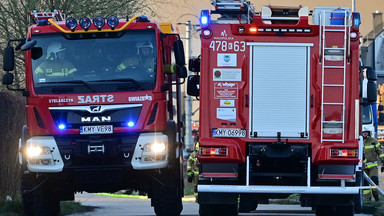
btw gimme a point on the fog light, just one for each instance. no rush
(99, 22)
(85, 23)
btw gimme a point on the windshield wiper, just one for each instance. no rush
(123, 80)
(86, 84)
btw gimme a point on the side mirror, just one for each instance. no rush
(371, 74)
(179, 52)
(182, 72)
(193, 85)
(194, 64)
(9, 59)
(7, 79)
(28, 45)
(371, 91)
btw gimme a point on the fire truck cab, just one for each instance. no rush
(279, 107)
(101, 116)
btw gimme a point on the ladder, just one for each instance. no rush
(240, 11)
(334, 50)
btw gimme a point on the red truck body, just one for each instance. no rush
(101, 129)
(279, 106)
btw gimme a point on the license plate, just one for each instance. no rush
(96, 129)
(228, 132)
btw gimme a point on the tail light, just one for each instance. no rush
(213, 151)
(344, 153)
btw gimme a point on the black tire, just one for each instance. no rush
(359, 198)
(218, 209)
(167, 200)
(345, 210)
(323, 210)
(38, 200)
(246, 203)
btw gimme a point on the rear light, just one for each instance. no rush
(344, 153)
(213, 151)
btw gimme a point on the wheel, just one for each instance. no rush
(246, 203)
(345, 210)
(359, 198)
(218, 209)
(38, 200)
(323, 210)
(167, 200)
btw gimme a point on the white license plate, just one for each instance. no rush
(96, 129)
(228, 132)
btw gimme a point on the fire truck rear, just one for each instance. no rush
(104, 123)
(279, 107)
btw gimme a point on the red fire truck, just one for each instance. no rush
(279, 107)
(100, 117)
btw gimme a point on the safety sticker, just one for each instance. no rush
(226, 74)
(228, 114)
(227, 103)
(226, 60)
(225, 90)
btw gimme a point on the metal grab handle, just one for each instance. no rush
(366, 177)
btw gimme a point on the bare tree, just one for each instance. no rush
(14, 17)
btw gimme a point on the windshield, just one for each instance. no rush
(100, 62)
(366, 117)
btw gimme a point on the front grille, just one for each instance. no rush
(100, 150)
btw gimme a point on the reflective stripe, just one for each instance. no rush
(196, 172)
(365, 161)
(369, 147)
(371, 165)
(365, 192)
(377, 145)
(382, 155)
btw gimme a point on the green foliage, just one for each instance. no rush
(374, 208)
(68, 208)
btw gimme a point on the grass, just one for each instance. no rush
(15, 208)
(374, 208)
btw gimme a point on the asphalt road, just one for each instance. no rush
(113, 206)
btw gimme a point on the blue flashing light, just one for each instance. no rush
(112, 21)
(356, 20)
(62, 126)
(71, 23)
(85, 23)
(42, 22)
(99, 22)
(131, 124)
(204, 18)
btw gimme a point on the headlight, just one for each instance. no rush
(34, 151)
(155, 147)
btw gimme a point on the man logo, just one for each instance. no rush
(224, 34)
(95, 109)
